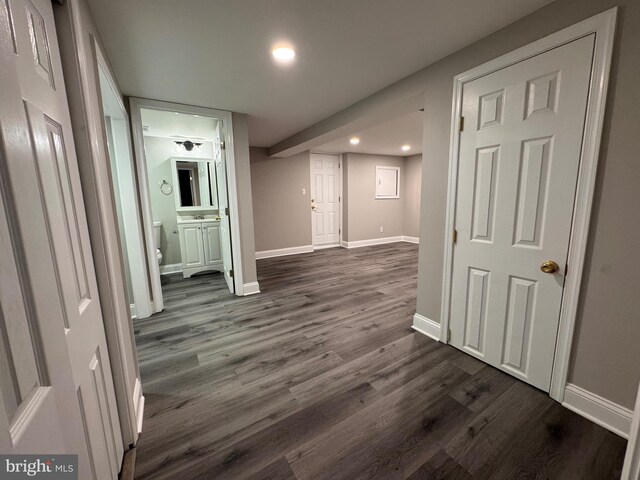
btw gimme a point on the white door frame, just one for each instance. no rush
(603, 25)
(136, 105)
(135, 249)
(340, 196)
(80, 51)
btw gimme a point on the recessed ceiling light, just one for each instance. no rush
(406, 148)
(354, 140)
(283, 54)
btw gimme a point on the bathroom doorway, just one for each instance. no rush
(184, 167)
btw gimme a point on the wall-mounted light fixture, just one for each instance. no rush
(188, 145)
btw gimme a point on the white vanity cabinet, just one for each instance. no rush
(200, 246)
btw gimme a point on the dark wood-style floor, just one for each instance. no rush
(321, 377)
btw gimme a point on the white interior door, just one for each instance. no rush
(43, 191)
(223, 207)
(518, 166)
(325, 204)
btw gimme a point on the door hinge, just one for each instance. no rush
(226, 211)
(339, 231)
(448, 335)
(231, 273)
(339, 198)
(566, 269)
(454, 237)
(222, 145)
(461, 124)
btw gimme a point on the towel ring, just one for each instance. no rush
(166, 188)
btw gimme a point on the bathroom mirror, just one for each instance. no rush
(194, 184)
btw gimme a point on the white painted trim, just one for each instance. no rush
(427, 327)
(415, 240)
(344, 244)
(631, 467)
(171, 268)
(125, 174)
(283, 252)
(325, 246)
(603, 25)
(251, 288)
(143, 184)
(372, 241)
(133, 311)
(140, 415)
(605, 413)
(138, 402)
(81, 53)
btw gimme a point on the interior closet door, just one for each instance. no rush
(44, 187)
(518, 169)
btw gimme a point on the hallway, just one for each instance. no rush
(321, 376)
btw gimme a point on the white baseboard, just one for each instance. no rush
(322, 247)
(371, 241)
(378, 241)
(426, 326)
(281, 252)
(173, 268)
(410, 239)
(138, 402)
(599, 410)
(250, 288)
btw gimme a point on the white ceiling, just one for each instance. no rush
(161, 123)
(384, 139)
(216, 53)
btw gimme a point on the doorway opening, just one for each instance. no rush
(183, 184)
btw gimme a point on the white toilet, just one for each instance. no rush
(157, 230)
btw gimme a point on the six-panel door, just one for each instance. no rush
(517, 174)
(60, 399)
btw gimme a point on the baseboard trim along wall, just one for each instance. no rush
(605, 413)
(251, 288)
(172, 268)
(138, 401)
(283, 252)
(426, 326)
(372, 241)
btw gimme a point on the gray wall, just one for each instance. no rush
(245, 203)
(365, 214)
(411, 181)
(159, 152)
(605, 357)
(281, 213)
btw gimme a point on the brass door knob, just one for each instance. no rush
(549, 266)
